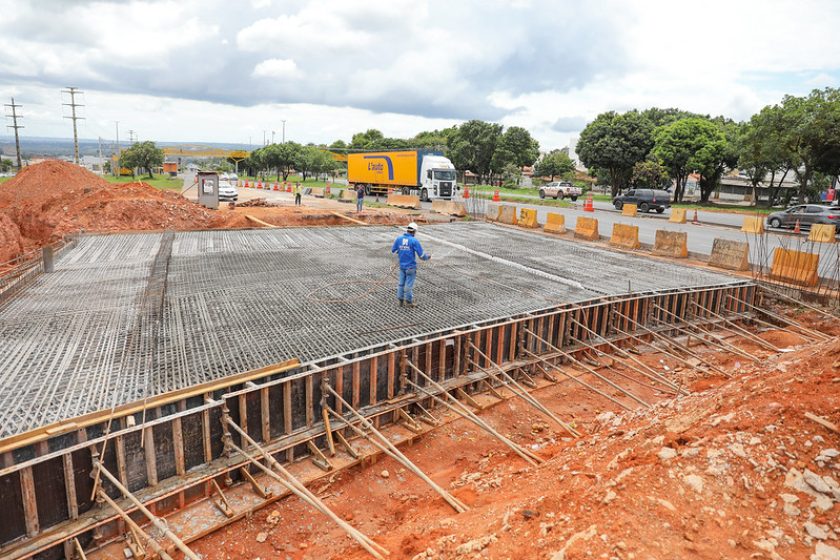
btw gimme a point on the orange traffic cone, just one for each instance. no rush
(694, 220)
(796, 228)
(327, 190)
(588, 206)
(247, 185)
(466, 192)
(276, 187)
(496, 197)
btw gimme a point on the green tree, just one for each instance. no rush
(614, 143)
(5, 165)
(280, 157)
(516, 146)
(678, 144)
(762, 152)
(716, 157)
(435, 139)
(553, 164)
(663, 117)
(142, 155)
(650, 174)
(472, 145)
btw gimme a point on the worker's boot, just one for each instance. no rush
(402, 303)
(410, 304)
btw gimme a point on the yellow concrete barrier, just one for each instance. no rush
(587, 228)
(404, 201)
(317, 192)
(625, 236)
(796, 267)
(731, 255)
(671, 244)
(347, 195)
(528, 218)
(822, 233)
(753, 224)
(555, 223)
(449, 207)
(507, 214)
(678, 216)
(492, 214)
(629, 210)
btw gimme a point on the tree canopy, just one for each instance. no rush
(142, 155)
(615, 143)
(472, 145)
(553, 164)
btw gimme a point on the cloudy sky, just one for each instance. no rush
(228, 70)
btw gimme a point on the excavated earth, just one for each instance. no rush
(734, 470)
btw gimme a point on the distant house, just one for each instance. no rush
(93, 163)
(736, 187)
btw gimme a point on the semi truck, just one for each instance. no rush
(425, 173)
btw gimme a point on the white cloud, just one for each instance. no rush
(277, 68)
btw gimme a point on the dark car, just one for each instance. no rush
(806, 215)
(645, 199)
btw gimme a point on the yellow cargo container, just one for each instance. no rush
(388, 169)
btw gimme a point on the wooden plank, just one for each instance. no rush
(456, 365)
(428, 364)
(339, 388)
(265, 415)
(488, 348)
(374, 379)
(178, 446)
(70, 485)
(392, 368)
(205, 435)
(30, 504)
(119, 448)
(310, 406)
(514, 330)
(151, 458)
(287, 417)
(356, 384)
(442, 359)
(243, 412)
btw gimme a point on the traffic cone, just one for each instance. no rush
(694, 220)
(327, 190)
(247, 184)
(466, 192)
(276, 187)
(796, 228)
(496, 197)
(588, 206)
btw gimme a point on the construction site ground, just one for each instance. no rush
(734, 470)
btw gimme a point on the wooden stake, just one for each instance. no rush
(131, 523)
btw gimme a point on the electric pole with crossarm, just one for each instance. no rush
(14, 116)
(73, 92)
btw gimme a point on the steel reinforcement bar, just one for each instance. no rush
(169, 451)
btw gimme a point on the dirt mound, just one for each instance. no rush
(53, 198)
(11, 244)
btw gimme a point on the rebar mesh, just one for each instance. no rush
(129, 316)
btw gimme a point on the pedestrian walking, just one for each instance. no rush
(360, 197)
(407, 247)
(297, 191)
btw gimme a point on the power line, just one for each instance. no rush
(15, 126)
(73, 91)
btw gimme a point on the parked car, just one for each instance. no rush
(228, 192)
(806, 214)
(645, 199)
(561, 190)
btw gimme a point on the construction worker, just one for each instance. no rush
(406, 246)
(297, 191)
(360, 198)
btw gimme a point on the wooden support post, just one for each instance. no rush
(466, 397)
(205, 434)
(151, 456)
(79, 550)
(178, 445)
(287, 417)
(260, 490)
(265, 415)
(346, 444)
(30, 504)
(318, 458)
(409, 422)
(70, 485)
(222, 504)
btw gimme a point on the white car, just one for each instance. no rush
(228, 192)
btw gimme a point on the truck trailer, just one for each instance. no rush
(425, 173)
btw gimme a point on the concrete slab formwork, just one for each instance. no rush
(156, 327)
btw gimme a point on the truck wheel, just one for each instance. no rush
(559, 195)
(660, 210)
(644, 208)
(424, 195)
(542, 193)
(405, 190)
(574, 198)
(367, 190)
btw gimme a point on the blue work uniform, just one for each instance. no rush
(407, 247)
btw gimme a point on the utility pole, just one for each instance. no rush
(131, 137)
(73, 91)
(264, 143)
(119, 150)
(101, 163)
(284, 131)
(272, 137)
(15, 126)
